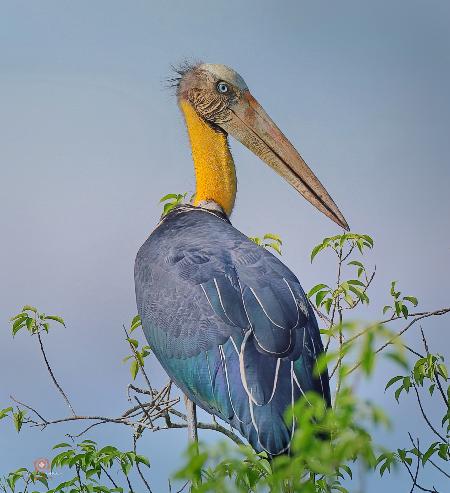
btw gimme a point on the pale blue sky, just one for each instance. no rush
(90, 140)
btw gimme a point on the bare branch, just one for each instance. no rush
(61, 391)
(139, 468)
(425, 417)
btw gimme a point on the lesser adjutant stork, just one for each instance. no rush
(228, 321)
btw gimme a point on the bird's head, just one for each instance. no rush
(220, 96)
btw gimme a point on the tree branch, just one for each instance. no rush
(61, 391)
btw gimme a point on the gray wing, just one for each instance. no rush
(229, 323)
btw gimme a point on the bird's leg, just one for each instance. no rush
(191, 417)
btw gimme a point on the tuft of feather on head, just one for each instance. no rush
(179, 71)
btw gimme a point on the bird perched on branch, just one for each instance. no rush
(228, 321)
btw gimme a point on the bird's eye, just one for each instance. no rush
(222, 87)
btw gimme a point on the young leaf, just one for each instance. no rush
(55, 318)
(316, 250)
(411, 299)
(392, 381)
(29, 308)
(134, 368)
(314, 289)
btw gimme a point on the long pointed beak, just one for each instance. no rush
(253, 127)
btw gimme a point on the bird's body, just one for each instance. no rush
(228, 321)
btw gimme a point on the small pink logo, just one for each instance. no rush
(41, 465)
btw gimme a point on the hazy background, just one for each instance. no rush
(90, 140)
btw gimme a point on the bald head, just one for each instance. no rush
(211, 89)
(224, 73)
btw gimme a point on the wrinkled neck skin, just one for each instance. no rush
(213, 163)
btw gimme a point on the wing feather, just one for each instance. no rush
(229, 323)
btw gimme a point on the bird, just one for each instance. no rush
(227, 320)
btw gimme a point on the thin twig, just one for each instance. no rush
(422, 488)
(29, 408)
(145, 411)
(108, 475)
(425, 417)
(417, 471)
(52, 375)
(138, 466)
(438, 379)
(128, 481)
(429, 460)
(128, 422)
(183, 487)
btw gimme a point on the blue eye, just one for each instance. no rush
(222, 87)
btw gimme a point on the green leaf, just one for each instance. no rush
(442, 370)
(17, 325)
(18, 419)
(271, 236)
(29, 308)
(167, 197)
(314, 289)
(140, 358)
(368, 355)
(327, 304)
(405, 311)
(398, 392)
(369, 240)
(61, 445)
(360, 294)
(431, 450)
(133, 342)
(411, 299)
(356, 282)
(168, 207)
(143, 460)
(392, 381)
(135, 323)
(274, 246)
(316, 250)
(350, 301)
(134, 368)
(320, 296)
(55, 318)
(5, 412)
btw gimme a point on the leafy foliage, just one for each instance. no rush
(269, 240)
(347, 292)
(30, 319)
(171, 200)
(93, 469)
(10, 482)
(400, 307)
(138, 354)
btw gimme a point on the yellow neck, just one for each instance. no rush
(214, 166)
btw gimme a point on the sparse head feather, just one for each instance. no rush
(180, 70)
